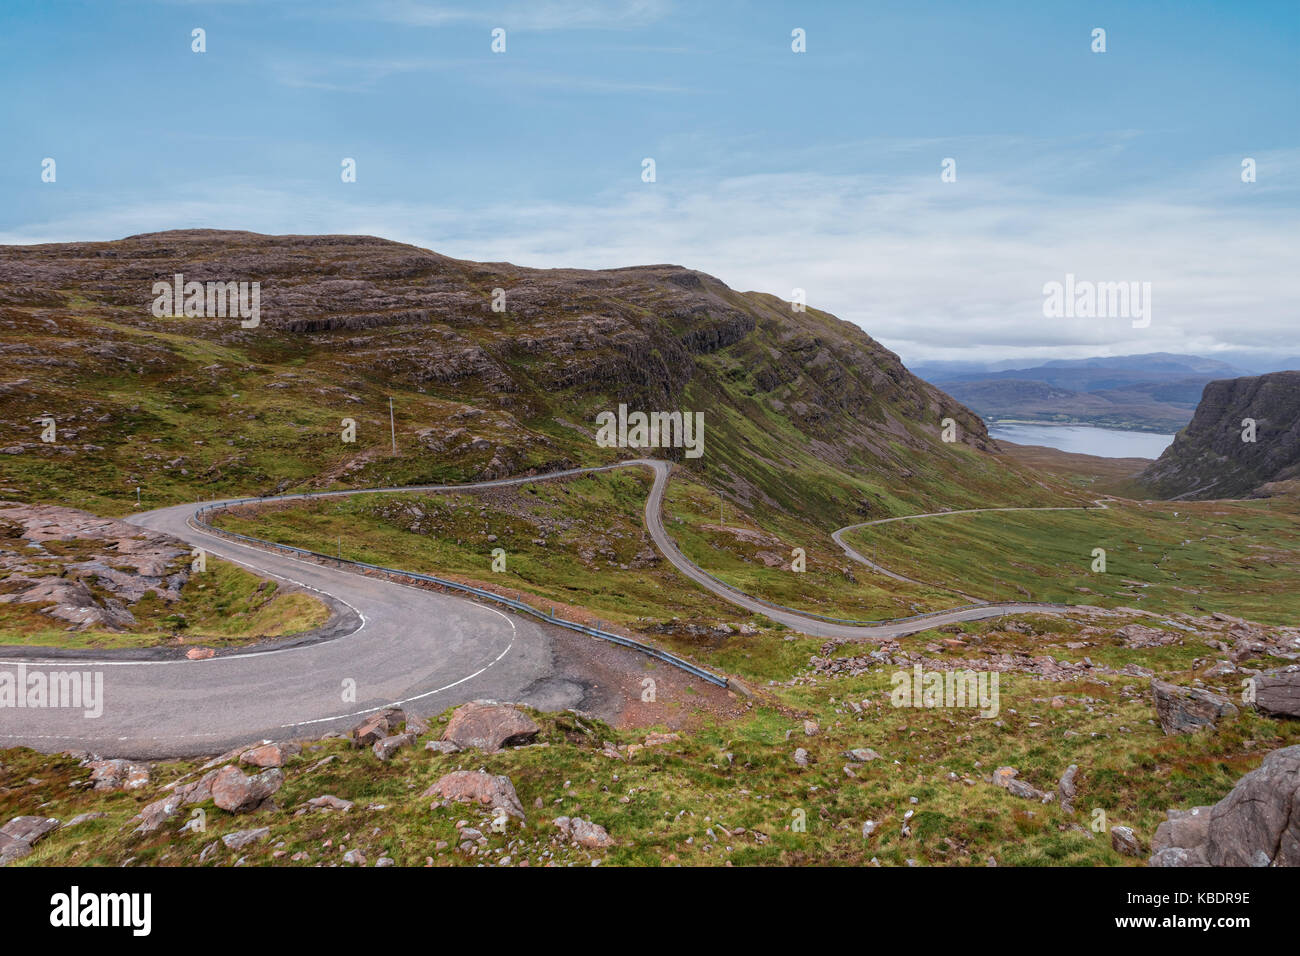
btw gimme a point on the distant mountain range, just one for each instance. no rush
(1156, 391)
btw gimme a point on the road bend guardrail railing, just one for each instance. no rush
(199, 520)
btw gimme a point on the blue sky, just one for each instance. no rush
(775, 170)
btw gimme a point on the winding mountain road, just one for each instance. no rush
(396, 644)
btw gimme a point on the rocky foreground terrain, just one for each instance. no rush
(1189, 758)
(1212, 458)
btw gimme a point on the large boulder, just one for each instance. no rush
(235, 792)
(1277, 693)
(1185, 710)
(488, 726)
(478, 786)
(1256, 824)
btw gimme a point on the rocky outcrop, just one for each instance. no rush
(1185, 710)
(1256, 824)
(82, 569)
(488, 726)
(1210, 459)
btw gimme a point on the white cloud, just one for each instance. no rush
(932, 270)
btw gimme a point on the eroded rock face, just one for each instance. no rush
(489, 726)
(1256, 824)
(477, 786)
(1185, 710)
(121, 562)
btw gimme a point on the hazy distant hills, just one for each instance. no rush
(1156, 391)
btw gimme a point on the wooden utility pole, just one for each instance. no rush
(392, 424)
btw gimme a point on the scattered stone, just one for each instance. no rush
(385, 748)
(442, 747)
(81, 818)
(1005, 777)
(330, 802)
(242, 838)
(1123, 840)
(801, 757)
(1065, 788)
(862, 754)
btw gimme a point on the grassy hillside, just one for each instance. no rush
(804, 414)
(1235, 557)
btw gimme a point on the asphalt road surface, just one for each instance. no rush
(399, 645)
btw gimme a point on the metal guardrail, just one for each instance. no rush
(519, 606)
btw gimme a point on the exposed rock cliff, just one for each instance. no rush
(1213, 457)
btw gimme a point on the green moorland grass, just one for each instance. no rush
(222, 607)
(1236, 557)
(833, 585)
(575, 544)
(730, 791)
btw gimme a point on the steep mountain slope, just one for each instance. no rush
(1211, 459)
(803, 412)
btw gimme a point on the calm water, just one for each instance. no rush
(1086, 439)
